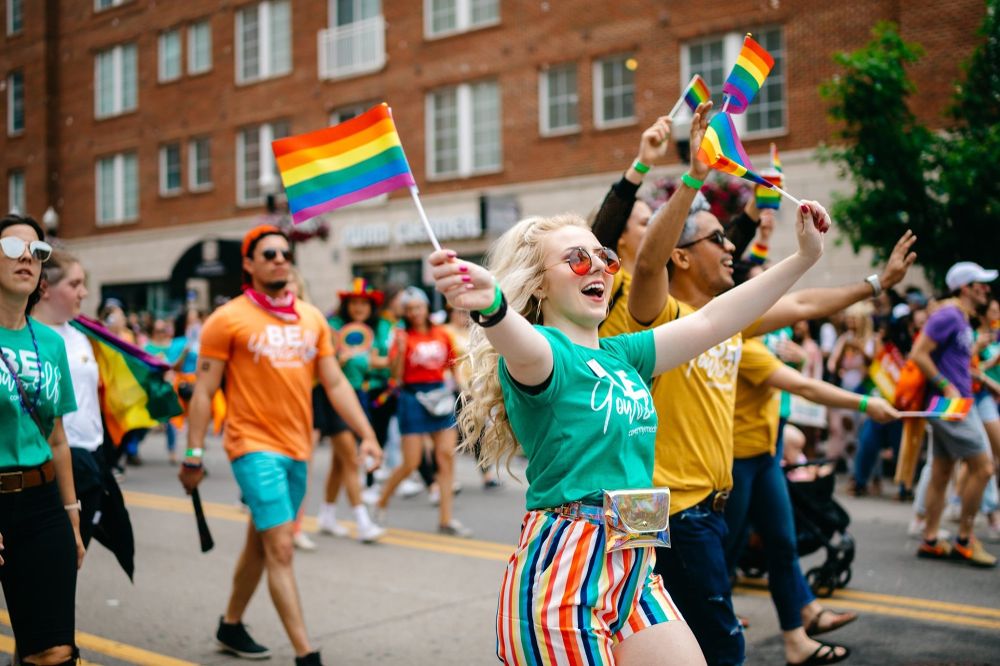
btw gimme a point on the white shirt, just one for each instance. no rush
(83, 427)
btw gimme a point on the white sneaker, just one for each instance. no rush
(409, 488)
(434, 495)
(302, 541)
(456, 529)
(382, 474)
(370, 533)
(329, 525)
(372, 495)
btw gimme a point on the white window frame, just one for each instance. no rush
(266, 160)
(194, 184)
(165, 189)
(543, 102)
(10, 16)
(12, 104)
(118, 83)
(16, 196)
(771, 131)
(598, 94)
(264, 46)
(118, 215)
(463, 20)
(192, 60)
(114, 3)
(465, 132)
(732, 42)
(161, 62)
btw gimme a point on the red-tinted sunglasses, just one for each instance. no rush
(580, 261)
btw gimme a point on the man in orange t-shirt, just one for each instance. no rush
(270, 349)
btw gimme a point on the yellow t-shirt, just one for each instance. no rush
(695, 404)
(755, 426)
(618, 318)
(271, 365)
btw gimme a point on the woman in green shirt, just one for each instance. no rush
(39, 513)
(581, 410)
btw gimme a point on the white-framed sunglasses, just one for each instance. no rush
(13, 248)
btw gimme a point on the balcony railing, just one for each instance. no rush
(352, 49)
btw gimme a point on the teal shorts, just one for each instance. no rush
(273, 486)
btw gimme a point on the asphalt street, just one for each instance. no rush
(419, 598)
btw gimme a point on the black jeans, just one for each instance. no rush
(39, 571)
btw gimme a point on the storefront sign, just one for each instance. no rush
(445, 228)
(367, 235)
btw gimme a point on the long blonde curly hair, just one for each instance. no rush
(517, 262)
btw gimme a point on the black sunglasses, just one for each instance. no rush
(716, 237)
(271, 253)
(580, 261)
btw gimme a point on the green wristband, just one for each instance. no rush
(497, 299)
(863, 407)
(640, 167)
(692, 182)
(194, 453)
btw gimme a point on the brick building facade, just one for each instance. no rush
(144, 125)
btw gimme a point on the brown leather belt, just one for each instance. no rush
(715, 502)
(15, 482)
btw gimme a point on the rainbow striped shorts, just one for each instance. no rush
(565, 601)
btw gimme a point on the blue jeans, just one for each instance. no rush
(694, 571)
(871, 440)
(760, 496)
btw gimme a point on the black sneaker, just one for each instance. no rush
(233, 638)
(311, 659)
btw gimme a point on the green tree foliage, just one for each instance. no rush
(943, 186)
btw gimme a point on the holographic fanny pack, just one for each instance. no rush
(636, 518)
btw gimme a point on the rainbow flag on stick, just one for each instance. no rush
(753, 64)
(768, 197)
(721, 149)
(134, 393)
(341, 165)
(775, 160)
(694, 94)
(948, 409)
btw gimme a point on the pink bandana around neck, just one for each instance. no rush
(282, 307)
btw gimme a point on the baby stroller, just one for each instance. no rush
(820, 522)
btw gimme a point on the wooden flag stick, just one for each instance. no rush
(423, 217)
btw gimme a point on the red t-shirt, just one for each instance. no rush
(428, 355)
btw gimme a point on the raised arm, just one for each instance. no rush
(471, 287)
(650, 283)
(610, 220)
(724, 316)
(824, 301)
(743, 228)
(786, 379)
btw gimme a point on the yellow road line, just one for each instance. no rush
(887, 604)
(901, 612)
(105, 646)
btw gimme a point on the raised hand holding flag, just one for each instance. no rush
(694, 94)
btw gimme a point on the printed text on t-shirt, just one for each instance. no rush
(285, 346)
(635, 403)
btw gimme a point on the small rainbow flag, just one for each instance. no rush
(775, 160)
(341, 165)
(696, 92)
(753, 64)
(768, 197)
(721, 149)
(758, 253)
(948, 409)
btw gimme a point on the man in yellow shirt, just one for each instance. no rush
(696, 402)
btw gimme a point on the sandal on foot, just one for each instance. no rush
(826, 653)
(814, 628)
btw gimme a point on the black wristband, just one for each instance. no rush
(493, 319)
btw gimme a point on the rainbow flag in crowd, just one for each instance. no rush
(775, 160)
(884, 371)
(696, 92)
(948, 409)
(768, 197)
(134, 394)
(341, 165)
(753, 64)
(721, 149)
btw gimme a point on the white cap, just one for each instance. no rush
(900, 310)
(967, 272)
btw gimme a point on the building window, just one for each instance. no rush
(614, 91)
(463, 130)
(444, 17)
(15, 16)
(200, 164)
(263, 41)
(15, 103)
(115, 89)
(559, 100)
(117, 189)
(170, 55)
(714, 58)
(767, 113)
(107, 4)
(15, 192)
(254, 159)
(170, 169)
(199, 47)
